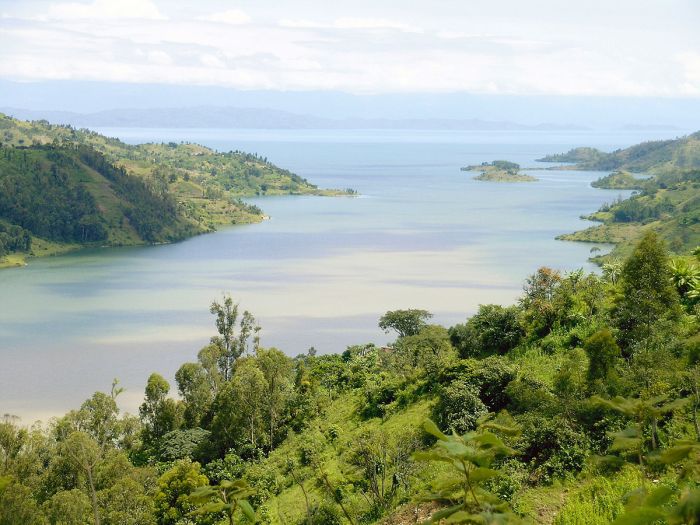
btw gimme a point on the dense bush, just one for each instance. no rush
(459, 406)
(492, 330)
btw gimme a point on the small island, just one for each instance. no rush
(500, 171)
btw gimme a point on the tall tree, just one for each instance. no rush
(159, 413)
(405, 322)
(231, 345)
(649, 302)
(277, 369)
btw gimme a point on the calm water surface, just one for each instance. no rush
(318, 273)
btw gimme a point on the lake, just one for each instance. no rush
(319, 273)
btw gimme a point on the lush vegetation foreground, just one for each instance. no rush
(577, 405)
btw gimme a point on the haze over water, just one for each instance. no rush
(319, 273)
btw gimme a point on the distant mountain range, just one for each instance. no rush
(258, 118)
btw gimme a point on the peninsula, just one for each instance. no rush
(62, 189)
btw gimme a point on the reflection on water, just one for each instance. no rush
(319, 273)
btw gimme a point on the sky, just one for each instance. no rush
(620, 48)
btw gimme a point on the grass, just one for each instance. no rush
(289, 506)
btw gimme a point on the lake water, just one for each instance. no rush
(319, 273)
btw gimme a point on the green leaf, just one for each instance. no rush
(432, 429)
(640, 516)
(482, 474)
(247, 510)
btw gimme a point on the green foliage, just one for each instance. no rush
(328, 438)
(603, 353)
(471, 457)
(159, 413)
(405, 322)
(492, 330)
(459, 407)
(552, 446)
(181, 443)
(172, 499)
(227, 497)
(648, 298)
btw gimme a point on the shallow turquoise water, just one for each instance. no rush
(319, 273)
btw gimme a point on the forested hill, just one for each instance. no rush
(72, 194)
(656, 156)
(64, 187)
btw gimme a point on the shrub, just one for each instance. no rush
(552, 447)
(459, 406)
(494, 329)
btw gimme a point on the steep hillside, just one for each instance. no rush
(74, 196)
(656, 156)
(667, 202)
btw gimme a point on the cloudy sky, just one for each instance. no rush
(534, 47)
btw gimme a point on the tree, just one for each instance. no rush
(426, 352)
(69, 507)
(84, 454)
(239, 408)
(405, 322)
(537, 301)
(172, 499)
(231, 345)
(459, 407)
(196, 391)
(277, 369)
(649, 302)
(603, 353)
(492, 330)
(159, 413)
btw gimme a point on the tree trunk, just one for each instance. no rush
(93, 496)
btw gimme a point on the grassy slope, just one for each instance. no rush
(342, 413)
(562, 502)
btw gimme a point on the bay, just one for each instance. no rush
(319, 273)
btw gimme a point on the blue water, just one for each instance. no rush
(319, 273)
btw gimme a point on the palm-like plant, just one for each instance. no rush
(612, 270)
(227, 497)
(685, 277)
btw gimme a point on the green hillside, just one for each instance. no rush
(576, 405)
(655, 156)
(69, 187)
(667, 202)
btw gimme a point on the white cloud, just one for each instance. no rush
(412, 48)
(232, 16)
(211, 61)
(351, 23)
(374, 23)
(104, 9)
(160, 57)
